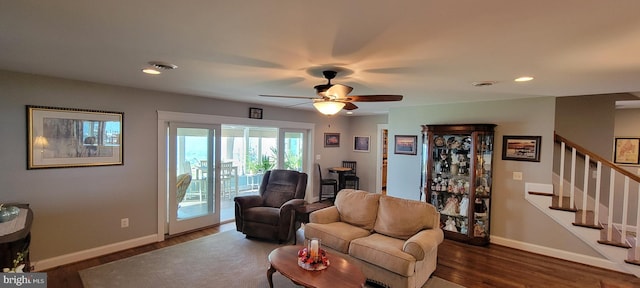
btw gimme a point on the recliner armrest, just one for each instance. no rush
(248, 201)
(291, 204)
(423, 242)
(325, 215)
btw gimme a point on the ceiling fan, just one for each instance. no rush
(331, 98)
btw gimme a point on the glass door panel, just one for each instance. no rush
(294, 150)
(193, 173)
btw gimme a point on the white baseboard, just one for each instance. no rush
(92, 253)
(556, 253)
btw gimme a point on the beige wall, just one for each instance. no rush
(512, 216)
(80, 208)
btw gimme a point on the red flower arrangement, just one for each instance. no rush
(319, 262)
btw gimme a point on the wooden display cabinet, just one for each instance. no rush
(457, 169)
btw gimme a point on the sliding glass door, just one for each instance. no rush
(194, 176)
(205, 161)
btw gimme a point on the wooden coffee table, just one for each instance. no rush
(340, 272)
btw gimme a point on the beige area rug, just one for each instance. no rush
(226, 259)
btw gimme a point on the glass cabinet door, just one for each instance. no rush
(457, 178)
(450, 180)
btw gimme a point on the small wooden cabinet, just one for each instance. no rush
(457, 169)
(17, 240)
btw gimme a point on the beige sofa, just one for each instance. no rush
(394, 241)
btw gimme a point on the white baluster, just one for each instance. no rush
(561, 187)
(596, 209)
(585, 192)
(610, 206)
(625, 205)
(573, 179)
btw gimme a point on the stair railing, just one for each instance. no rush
(590, 158)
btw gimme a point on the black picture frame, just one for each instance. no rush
(406, 144)
(255, 113)
(521, 148)
(331, 140)
(626, 151)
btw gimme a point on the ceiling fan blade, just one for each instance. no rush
(350, 106)
(291, 97)
(374, 98)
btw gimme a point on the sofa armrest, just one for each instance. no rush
(424, 241)
(325, 215)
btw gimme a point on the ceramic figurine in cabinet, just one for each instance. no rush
(450, 225)
(464, 206)
(463, 227)
(478, 230)
(451, 207)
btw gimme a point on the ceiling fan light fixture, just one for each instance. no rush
(328, 107)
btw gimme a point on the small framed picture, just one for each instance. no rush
(255, 113)
(361, 143)
(331, 139)
(406, 144)
(521, 148)
(626, 151)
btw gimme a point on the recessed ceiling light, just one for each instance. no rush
(483, 83)
(349, 112)
(151, 71)
(162, 65)
(523, 79)
(157, 66)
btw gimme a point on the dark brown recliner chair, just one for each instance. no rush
(271, 214)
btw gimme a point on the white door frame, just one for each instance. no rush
(379, 156)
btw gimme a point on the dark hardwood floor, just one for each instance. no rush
(470, 266)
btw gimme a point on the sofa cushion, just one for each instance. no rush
(403, 218)
(357, 207)
(336, 235)
(385, 252)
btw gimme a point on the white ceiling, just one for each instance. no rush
(430, 51)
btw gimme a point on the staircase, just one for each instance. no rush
(596, 200)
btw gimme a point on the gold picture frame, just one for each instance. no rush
(68, 137)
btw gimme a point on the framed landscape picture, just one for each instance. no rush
(521, 148)
(331, 139)
(626, 151)
(66, 137)
(406, 144)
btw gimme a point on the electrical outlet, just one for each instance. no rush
(124, 222)
(517, 175)
(317, 156)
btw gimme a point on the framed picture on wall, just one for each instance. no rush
(521, 148)
(255, 113)
(626, 150)
(67, 137)
(406, 144)
(331, 139)
(361, 143)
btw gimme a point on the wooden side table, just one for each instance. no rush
(303, 211)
